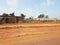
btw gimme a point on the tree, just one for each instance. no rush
(46, 16)
(4, 14)
(41, 16)
(30, 18)
(12, 14)
(22, 16)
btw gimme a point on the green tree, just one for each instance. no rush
(46, 16)
(41, 16)
(12, 14)
(22, 16)
(30, 18)
(4, 14)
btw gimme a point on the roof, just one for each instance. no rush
(9, 16)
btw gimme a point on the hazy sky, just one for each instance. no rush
(31, 7)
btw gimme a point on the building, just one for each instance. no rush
(46, 19)
(10, 19)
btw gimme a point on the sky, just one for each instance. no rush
(31, 8)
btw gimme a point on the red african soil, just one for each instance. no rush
(30, 34)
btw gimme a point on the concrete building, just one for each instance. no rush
(10, 19)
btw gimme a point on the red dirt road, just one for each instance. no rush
(30, 34)
(52, 41)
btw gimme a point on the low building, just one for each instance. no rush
(10, 19)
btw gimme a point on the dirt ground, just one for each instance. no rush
(19, 34)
